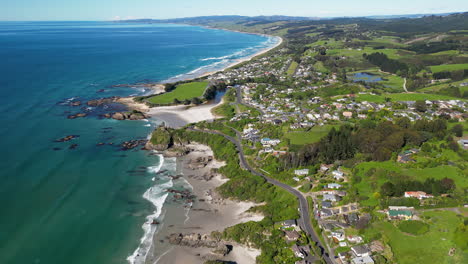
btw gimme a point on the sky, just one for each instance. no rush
(93, 10)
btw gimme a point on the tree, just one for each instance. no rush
(420, 106)
(196, 101)
(176, 101)
(387, 189)
(169, 87)
(382, 154)
(453, 146)
(458, 130)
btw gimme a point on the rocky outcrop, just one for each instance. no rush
(199, 162)
(77, 115)
(176, 151)
(66, 138)
(161, 139)
(133, 115)
(102, 101)
(131, 144)
(194, 240)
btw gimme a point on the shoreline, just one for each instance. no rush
(208, 212)
(180, 115)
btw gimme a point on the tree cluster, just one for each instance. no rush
(431, 186)
(386, 64)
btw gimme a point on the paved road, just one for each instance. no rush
(304, 221)
(241, 101)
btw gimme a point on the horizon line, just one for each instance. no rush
(322, 17)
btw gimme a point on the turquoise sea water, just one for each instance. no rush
(85, 205)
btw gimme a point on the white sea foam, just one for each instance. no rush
(157, 196)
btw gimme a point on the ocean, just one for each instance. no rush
(86, 200)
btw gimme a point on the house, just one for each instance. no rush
(418, 194)
(292, 235)
(331, 197)
(301, 172)
(325, 212)
(334, 185)
(339, 235)
(400, 214)
(297, 251)
(463, 143)
(361, 250)
(290, 223)
(337, 174)
(269, 141)
(354, 239)
(324, 167)
(326, 204)
(348, 114)
(362, 260)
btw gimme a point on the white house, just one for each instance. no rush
(268, 141)
(337, 174)
(331, 197)
(301, 172)
(334, 185)
(419, 195)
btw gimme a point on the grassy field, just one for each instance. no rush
(369, 185)
(437, 87)
(182, 92)
(449, 67)
(402, 97)
(431, 247)
(292, 68)
(354, 53)
(320, 67)
(312, 136)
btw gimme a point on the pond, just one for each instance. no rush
(366, 77)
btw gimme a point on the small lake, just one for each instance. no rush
(366, 77)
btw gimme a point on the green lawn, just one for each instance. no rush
(292, 68)
(320, 67)
(370, 184)
(449, 67)
(182, 92)
(431, 247)
(309, 137)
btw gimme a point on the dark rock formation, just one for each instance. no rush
(77, 115)
(66, 138)
(102, 101)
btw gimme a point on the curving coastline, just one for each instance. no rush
(208, 216)
(180, 115)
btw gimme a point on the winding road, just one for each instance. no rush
(304, 221)
(241, 101)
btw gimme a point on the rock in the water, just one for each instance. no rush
(77, 115)
(102, 101)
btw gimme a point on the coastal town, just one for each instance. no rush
(378, 155)
(350, 141)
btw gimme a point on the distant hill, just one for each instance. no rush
(237, 19)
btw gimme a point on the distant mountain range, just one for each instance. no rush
(236, 18)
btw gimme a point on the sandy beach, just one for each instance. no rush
(209, 213)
